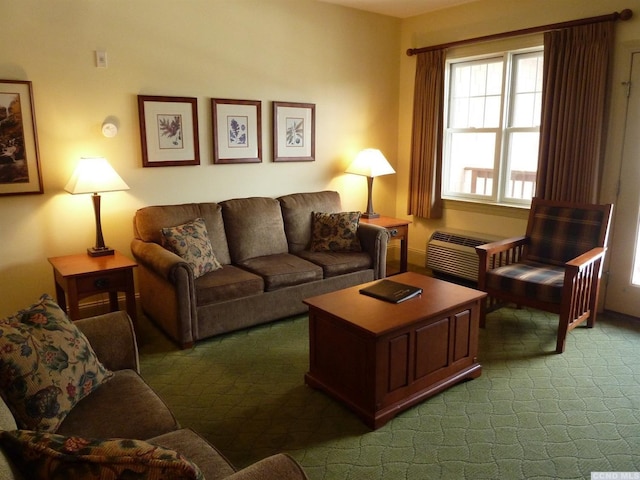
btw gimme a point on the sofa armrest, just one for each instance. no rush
(374, 240)
(158, 259)
(113, 339)
(280, 466)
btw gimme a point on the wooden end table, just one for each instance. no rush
(398, 230)
(81, 276)
(380, 358)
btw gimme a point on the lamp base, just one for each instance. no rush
(100, 252)
(370, 215)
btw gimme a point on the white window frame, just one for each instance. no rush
(503, 132)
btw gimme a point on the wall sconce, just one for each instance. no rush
(370, 163)
(94, 175)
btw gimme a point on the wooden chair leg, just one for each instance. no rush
(563, 330)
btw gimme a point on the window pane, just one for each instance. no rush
(527, 90)
(474, 99)
(523, 165)
(471, 163)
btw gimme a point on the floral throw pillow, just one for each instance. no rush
(191, 242)
(335, 232)
(46, 365)
(41, 455)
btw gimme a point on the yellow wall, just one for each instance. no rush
(488, 17)
(351, 64)
(343, 60)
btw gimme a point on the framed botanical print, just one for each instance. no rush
(19, 158)
(237, 131)
(294, 138)
(168, 131)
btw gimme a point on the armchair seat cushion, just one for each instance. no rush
(337, 263)
(228, 283)
(531, 279)
(283, 270)
(124, 407)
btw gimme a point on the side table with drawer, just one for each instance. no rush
(398, 230)
(80, 276)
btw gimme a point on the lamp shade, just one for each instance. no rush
(370, 162)
(93, 175)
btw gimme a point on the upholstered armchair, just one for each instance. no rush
(556, 266)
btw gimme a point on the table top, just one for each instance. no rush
(378, 317)
(83, 263)
(386, 222)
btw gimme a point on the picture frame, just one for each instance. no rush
(294, 137)
(169, 131)
(237, 130)
(19, 156)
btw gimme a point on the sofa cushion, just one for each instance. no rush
(338, 263)
(149, 221)
(254, 228)
(43, 455)
(47, 365)
(191, 242)
(335, 232)
(296, 213)
(283, 270)
(226, 284)
(211, 462)
(123, 407)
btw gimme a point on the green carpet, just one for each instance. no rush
(531, 414)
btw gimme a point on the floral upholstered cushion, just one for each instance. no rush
(191, 242)
(46, 365)
(335, 232)
(41, 455)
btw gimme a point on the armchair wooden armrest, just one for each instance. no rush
(497, 254)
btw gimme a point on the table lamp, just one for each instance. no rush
(94, 175)
(370, 163)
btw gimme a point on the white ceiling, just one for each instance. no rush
(399, 8)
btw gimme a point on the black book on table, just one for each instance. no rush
(390, 291)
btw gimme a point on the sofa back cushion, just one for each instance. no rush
(254, 227)
(148, 223)
(296, 212)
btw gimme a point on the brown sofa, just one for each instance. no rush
(263, 245)
(126, 407)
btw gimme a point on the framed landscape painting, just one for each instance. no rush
(237, 131)
(168, 131)
(294, 137)
(19, 158)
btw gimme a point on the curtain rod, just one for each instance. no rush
(625, 14)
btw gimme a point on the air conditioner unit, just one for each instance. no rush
(453, 252)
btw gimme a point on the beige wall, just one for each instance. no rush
(343, 60)
(351, 64)
(487, 17)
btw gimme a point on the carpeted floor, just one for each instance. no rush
(531, 414)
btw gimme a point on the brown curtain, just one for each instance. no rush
(426, 142)
(576, 69)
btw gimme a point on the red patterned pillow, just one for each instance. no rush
(42, 455)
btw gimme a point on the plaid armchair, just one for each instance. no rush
(555, 267)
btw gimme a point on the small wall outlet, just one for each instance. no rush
(101, 59)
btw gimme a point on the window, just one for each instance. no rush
(492, 127)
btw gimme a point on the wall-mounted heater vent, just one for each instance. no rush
(452, 252)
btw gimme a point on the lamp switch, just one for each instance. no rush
(101, 59)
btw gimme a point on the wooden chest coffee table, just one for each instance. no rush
(380, 358)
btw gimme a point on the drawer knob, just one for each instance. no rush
(393, 232)
(101, 283)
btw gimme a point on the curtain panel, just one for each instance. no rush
(576, 72)
(425, 178)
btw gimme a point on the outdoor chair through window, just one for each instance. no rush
(555, 267)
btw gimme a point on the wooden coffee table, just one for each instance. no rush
(381, 358)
